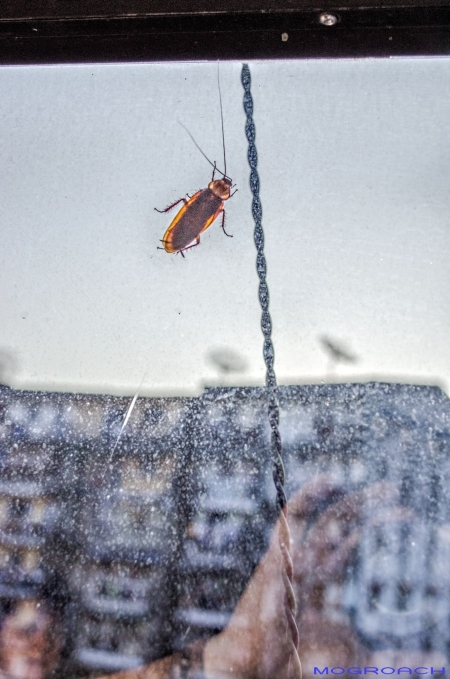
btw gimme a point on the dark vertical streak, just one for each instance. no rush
(263, 290)
(284, 539)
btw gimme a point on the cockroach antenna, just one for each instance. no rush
(202, 152)
(224, 174)
(221, 117)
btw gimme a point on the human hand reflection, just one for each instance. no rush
(326, 523)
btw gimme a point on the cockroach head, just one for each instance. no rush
(221, 187)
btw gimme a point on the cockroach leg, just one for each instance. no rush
(169, 207)
(223, 225)
(162, 241)
(197, 242)
(214, 171)
(232, 194)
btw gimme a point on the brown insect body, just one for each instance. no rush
(201, 209)
(196, 215)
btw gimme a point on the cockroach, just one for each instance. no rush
(200, 210)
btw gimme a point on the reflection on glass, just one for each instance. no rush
(142, 553)
(153, 545)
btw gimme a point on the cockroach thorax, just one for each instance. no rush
(221, 188)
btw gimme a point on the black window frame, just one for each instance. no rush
(90, 31)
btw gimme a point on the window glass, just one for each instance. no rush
(137, 506)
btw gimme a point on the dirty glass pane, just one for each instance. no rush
(137, 506)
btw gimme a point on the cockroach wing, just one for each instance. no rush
(193, 218)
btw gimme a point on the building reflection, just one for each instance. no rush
(112, 557)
